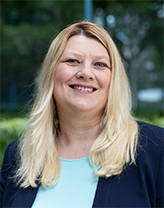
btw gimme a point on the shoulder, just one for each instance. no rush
(150, 146)
(11, 151)
(8, 167)
(10, 193)
(10, 157)
(150, 159)
(150, 135)
(150, 128)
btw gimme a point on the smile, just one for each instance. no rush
(84, 89)
(81, 88)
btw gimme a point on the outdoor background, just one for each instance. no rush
(28, 28)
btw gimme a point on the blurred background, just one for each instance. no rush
(28, 28)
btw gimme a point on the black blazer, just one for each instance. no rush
(139, 185)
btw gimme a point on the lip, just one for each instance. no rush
(83, 85)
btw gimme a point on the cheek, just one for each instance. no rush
(61, 75)
(58, 75)
(105, 80)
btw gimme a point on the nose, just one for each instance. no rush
(85, 72)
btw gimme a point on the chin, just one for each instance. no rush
(83, 107)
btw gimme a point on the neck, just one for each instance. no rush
(77, 134)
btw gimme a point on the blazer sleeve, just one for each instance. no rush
(140, 184)
(160, 183)
(11, 194)
(153, 153)
(8, 165)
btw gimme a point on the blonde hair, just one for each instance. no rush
(115, 146)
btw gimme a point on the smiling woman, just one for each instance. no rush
(82, 79)
(81, 135)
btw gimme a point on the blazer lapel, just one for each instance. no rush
(102, 192)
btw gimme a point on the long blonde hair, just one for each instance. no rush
(115, 146)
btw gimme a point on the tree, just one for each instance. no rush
(137, 28)
(27, 30)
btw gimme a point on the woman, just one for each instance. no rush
(82, 147)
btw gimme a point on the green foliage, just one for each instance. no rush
(155, 121)
(26, 43)
(27, 29)
(22, 51)
(10, 130)
(25, 39)
(55, 12)
(155, 116)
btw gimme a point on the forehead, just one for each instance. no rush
(85, 44)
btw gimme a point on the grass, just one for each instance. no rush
(12, 125)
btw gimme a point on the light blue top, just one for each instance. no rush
(75, 189)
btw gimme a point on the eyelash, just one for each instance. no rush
(74, 61)
(102, 64)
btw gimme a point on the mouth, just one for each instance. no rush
(83, 88)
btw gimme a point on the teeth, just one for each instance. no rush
(84, 89)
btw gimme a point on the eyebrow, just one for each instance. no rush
(102, 57)
(72, 53)
(80, 55)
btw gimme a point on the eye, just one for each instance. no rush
(100, 64)
(72, 61)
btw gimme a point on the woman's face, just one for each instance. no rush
(83, 76)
